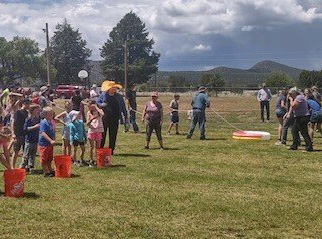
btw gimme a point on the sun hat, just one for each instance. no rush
(154, 94)
(43, 89)
(106, 85)
(73, 114)
(202, 89)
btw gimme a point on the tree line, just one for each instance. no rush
(22, 60)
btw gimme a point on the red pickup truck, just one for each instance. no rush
(67, 91)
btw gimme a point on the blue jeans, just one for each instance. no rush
(29, 155)
(264, 104)
(198, 116)
(133, 121)
(289, 122)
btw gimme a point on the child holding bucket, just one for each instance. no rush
(65, 119)
(46, 141)
(95, 128)
(31, 141)
(77, 136)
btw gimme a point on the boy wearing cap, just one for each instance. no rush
(31, 126)
(174, 115)
(77, 136)
(18, 129)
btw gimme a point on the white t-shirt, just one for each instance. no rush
(93, 94)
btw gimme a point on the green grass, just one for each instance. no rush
(219, 188)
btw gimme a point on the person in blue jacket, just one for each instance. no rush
(315, 113)
(200, 102)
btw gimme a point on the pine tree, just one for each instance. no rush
(142, 60)
(69, 53)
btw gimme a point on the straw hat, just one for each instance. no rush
(43, 89)
(202, 89)
(106, 85)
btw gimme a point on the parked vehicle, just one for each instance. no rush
(67, 91)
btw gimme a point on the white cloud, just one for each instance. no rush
(247, 28)
(202, 47)
(172, 23)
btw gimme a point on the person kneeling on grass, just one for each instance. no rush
(174, 115)
(154, 112)
(31, 141)
(77, 136)
(95, 128)
(46, 141)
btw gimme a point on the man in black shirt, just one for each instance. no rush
(18, 129)
(131, 102)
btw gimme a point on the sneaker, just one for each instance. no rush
(278, 143)
(27, 170)
(83, 163)
(161, 148)
(188, 137)
(146, 147)
(91, 165)
(202, 138)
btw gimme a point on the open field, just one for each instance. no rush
(218, 188)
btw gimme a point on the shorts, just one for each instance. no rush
(20, 142)
(280, 113)
(316, 118)
(174, 119)
(76, 143)
(95, 136)
(46, 153)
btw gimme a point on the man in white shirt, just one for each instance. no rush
(93, 93)
(264, 96)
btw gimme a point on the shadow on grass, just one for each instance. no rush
(134, 155)
(114, 166)
(26, 195)
(166, 149)
(216, 139)
(74, 175)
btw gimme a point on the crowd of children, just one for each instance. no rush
(28, 125)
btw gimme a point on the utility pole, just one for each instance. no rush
(48, 57)
(125, 68)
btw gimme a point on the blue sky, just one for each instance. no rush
(189, 34)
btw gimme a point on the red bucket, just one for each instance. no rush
(63, 166)
(14, 182)
(103, 157)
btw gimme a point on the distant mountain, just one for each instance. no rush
(238, 77)
(233, 76)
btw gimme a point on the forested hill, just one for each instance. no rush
(232, 76)
(238, 77)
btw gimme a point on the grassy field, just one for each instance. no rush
(218, 188)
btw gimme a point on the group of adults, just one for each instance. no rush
(295, 109)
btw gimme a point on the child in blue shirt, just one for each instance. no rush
(46, 141)
(31, 127)
(77, 136)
